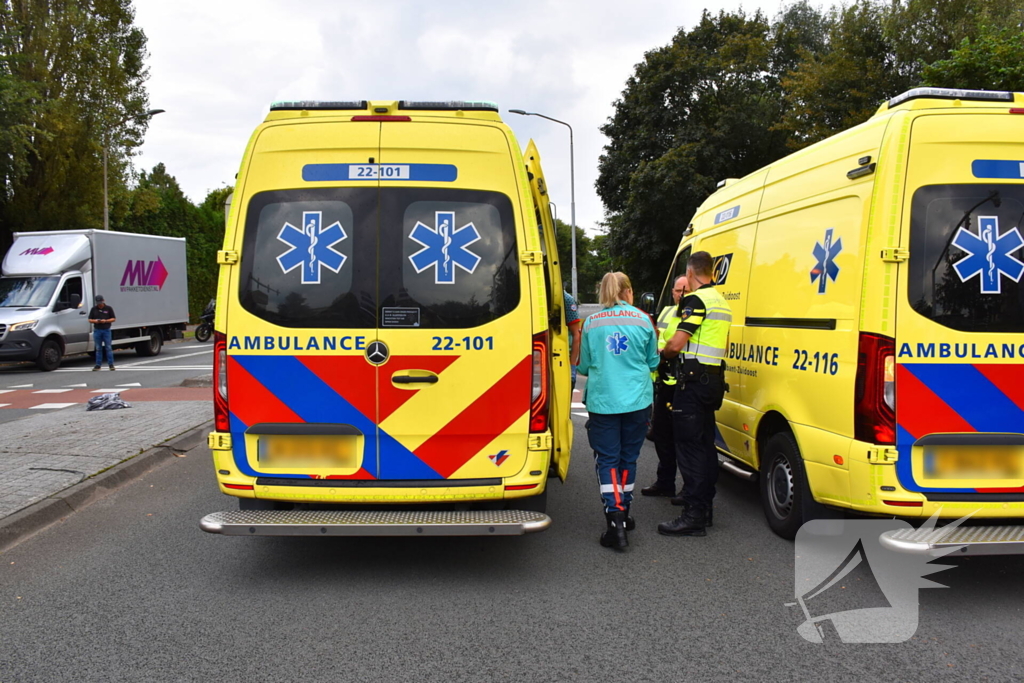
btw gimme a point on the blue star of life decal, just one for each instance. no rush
(312, 247)
(826, 266)
(444, 247)
(617, 343)
(988, 254)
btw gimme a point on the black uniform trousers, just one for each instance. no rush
(693, 424)
(662, 434)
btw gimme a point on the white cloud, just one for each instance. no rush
(216, 67)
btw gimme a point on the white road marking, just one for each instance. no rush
(133, 384)
(161, 360)
(20, 386)
(76, 385)
(107, 391)
(130, 369)
(578, 405)
(6, 391)
(52, 406)
(52, 391)
(4, 405)
(582, 414)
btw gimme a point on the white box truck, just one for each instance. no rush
(49, 280)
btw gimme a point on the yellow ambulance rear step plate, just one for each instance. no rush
(972, 540)
(374, 523)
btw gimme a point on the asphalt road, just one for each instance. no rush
(131, 589)
(176, 362)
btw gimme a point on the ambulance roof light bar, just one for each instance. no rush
(952, 94)
(313, 104)
(451, 105)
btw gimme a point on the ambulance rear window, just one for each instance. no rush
(309, 258)
(967, 256)
(448, 257)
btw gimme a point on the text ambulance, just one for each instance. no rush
(876, 358)
(390, 349)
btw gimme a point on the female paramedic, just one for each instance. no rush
(618, 352)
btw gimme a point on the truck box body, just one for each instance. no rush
(51, 278)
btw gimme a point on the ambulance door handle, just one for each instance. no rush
(407, 377)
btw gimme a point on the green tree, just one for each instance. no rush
(698, 110)
(992, 61)
(85, 60)
(590, 259)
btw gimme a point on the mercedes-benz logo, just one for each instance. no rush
(377, 352)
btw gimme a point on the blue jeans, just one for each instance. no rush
(616, 440)
(101, 338)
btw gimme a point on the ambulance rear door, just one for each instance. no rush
(959, 347)
(454, 390)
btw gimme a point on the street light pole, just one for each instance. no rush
(572, 188)
(106, 143)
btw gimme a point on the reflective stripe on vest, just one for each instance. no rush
(708, 343)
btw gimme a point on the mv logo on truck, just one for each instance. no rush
(37, 251)
(144, 276)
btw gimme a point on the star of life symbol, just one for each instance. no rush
(617, 343)
(826, 266)
(499, 457)
(988, 254)
(312, 247)
(444, 247)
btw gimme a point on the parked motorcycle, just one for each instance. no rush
(205, 328)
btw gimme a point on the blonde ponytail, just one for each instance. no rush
(613, 286)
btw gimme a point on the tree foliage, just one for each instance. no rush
(592, 260)
(738, 91)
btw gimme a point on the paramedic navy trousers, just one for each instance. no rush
(661, 433)
(693, 424)
(616, 440)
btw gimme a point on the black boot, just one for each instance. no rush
(657, 489)
(630, 522)
(690, 523)
(615, 535)
(709, 513)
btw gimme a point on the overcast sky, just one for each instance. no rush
(216, 65)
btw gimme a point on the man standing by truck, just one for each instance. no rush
(701, 339)
(101, 316)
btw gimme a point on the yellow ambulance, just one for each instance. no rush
(391, 355)
(876, 358)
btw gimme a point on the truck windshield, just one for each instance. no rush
(25, 292)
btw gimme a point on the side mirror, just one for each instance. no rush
(647, 302)
(76, 300)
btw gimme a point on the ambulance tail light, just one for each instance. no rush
(874, 414)
(220, 391)
(539, 395)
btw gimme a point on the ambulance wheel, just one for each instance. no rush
(532, 504)
(152, 346)
(785, 495)
(49, 356)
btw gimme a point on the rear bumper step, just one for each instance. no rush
(374, 523)
(973, 540)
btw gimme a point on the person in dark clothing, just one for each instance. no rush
(101, 316)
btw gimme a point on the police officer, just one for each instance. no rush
(664, 388)
(699, 346)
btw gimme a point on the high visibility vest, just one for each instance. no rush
(668, 321)
(707, 345)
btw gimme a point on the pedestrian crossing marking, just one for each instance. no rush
(52, 406)
(21, 386)
(52, 391)
(133, 384)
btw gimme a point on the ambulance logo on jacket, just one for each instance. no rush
(826, 267)
(617, 343)
(988, 254)
(312, 247)
(444, 247)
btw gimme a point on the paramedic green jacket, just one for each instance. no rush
(618, 353)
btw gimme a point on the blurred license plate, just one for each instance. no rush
(978, 462)
(320, 452)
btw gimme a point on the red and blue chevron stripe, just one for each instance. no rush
(346, 390)
(955, 398)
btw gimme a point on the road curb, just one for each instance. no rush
(36, 517)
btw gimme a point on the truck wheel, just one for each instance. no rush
(151, 347)
(49, 356)
(785, 495)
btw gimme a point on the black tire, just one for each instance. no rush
(533, 503)
(151, 347)
(49, 356)
(203, 332)
(785, 495)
